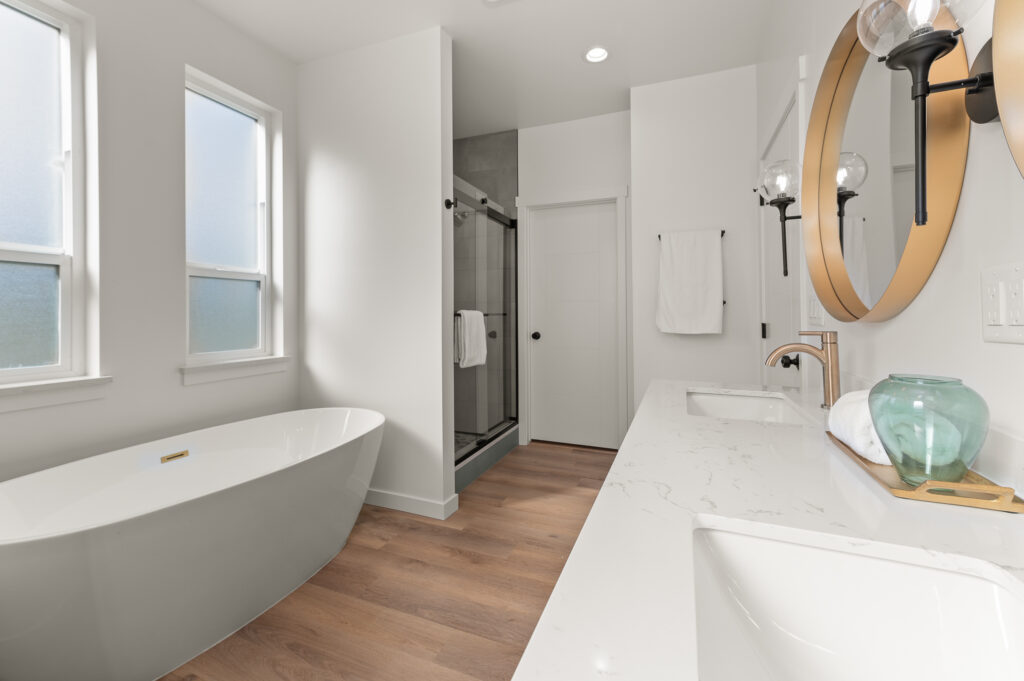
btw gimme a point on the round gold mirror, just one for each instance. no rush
(1007, 58)
(883, 259)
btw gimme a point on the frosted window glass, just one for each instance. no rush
(224, 314)
(221, 184)
(31, 152)
(29, 315)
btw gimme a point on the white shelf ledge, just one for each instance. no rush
(52, 392)
(240, 368)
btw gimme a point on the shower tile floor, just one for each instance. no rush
(464, 441)
(416, 598)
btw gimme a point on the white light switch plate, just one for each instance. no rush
(815, 312)
(1002, 304)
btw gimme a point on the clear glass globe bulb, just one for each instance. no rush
(779, 180)
(853, 170)
(882, 25)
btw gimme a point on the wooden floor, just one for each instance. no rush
(411, 598)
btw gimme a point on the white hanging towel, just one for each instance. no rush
(690, 288)
(855, 254)
(471, 338)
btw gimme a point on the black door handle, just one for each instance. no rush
(535, 335)
(492, 334)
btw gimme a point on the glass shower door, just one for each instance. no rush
(485, 280)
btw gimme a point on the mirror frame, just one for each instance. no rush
(1007, 57)
(948, 134)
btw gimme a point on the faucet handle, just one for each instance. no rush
(826, 336)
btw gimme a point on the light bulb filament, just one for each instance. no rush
(921, 14)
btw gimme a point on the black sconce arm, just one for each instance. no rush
(842, 196)
(973, 84)
(917, 56)
(783, 203)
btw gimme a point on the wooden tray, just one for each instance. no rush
(975, 491)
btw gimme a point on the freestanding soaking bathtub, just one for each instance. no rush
(123, 566)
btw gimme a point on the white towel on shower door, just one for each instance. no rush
(855, 255)
(471, 338)
(690, 287)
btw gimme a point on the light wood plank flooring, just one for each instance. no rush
(415, 598)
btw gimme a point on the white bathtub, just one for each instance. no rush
(120, 568)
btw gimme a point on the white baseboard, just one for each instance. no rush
(410, 504)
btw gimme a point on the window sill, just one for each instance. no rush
(49, 393)
(240, 368)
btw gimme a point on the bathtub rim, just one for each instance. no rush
(379, 421)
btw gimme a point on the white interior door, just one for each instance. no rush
(574, 330)
(781, 294)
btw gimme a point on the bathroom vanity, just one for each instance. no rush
(731, 540)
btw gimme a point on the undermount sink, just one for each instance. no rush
(742, 405)
(827, 607)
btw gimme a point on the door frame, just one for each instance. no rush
(527, 206)
(768, 218)
(793, 101)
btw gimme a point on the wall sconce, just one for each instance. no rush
(780, 184)
(902, 34)
(853, 170)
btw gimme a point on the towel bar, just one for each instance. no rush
(723, 235)
(659, 239)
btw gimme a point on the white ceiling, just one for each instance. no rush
(519, 63)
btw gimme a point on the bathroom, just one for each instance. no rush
(451, 561)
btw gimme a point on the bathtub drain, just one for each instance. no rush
(174, 457)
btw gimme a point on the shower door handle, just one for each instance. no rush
(535, 335)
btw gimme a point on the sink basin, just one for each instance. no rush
(746, 405)
(825, 607)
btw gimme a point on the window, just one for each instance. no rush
(226, 172)
(41, 217)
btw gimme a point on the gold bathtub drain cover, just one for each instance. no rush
(174, 457)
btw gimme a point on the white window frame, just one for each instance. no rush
(69, 258)
(221, 93)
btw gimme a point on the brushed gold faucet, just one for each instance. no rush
(827, 354)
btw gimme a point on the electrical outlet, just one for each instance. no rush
(1015, 302)
(992, 299)
(1002, 304)
(815, 311)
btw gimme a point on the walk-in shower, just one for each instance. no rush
(485, 280)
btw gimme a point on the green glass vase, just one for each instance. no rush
(931, 427)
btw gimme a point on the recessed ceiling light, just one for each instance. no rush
(596, 54)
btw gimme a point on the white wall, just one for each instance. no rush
(573, 158)
(142, 49)
(776, 84)
(694, 162)
(375, 156)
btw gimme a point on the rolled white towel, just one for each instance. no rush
(850, 421)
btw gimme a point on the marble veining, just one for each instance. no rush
(624, 605)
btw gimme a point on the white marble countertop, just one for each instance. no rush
(624, 604)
